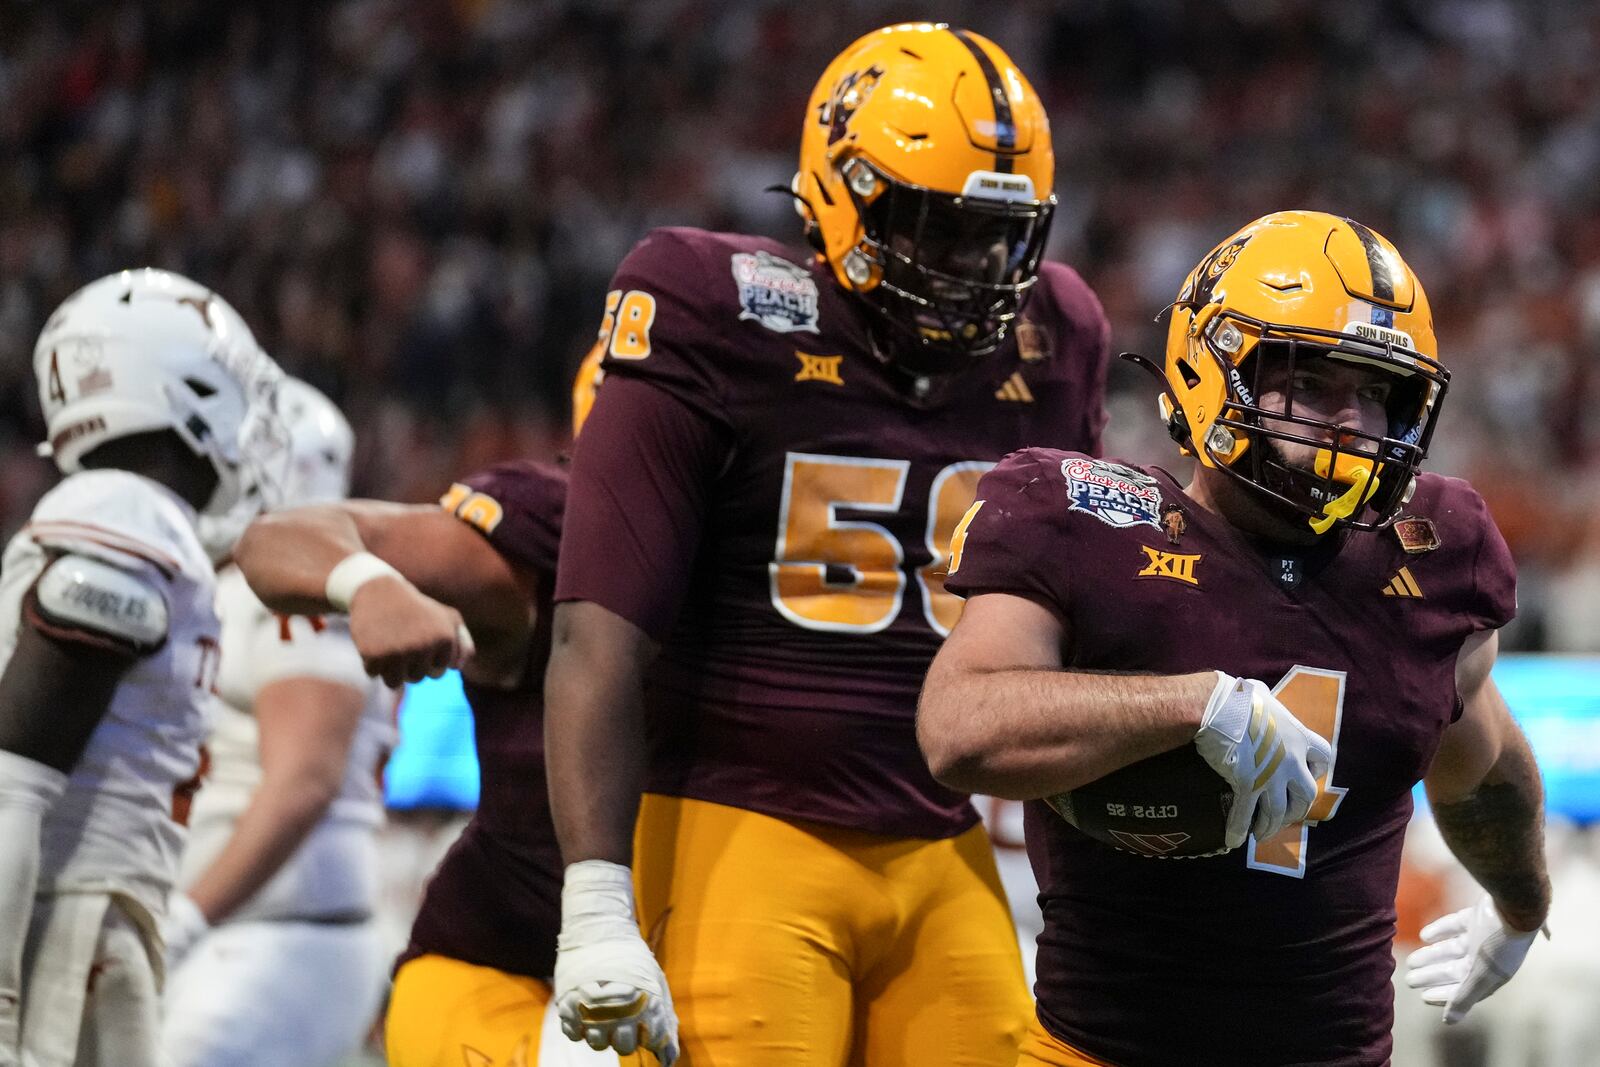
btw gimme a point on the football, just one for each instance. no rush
(1171, 806)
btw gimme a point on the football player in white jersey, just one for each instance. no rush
(159, 405)
(275, 957)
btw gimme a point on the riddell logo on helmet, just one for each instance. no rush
(81, 428)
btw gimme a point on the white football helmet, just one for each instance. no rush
(145, 350)
(321, 446)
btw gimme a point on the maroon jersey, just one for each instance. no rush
(1278, 952)
(765, 496)
(496, 898)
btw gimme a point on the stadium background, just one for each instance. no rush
(417, 206)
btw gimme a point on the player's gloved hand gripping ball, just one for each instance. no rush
(1262, 750)
(1253, 768)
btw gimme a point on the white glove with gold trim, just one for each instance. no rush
(1270, 759)
(609, 989)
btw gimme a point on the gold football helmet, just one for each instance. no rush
(925, 180)
(1300, 285)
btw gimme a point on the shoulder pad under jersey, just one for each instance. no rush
(78, 597)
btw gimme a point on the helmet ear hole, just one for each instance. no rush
(199, 388)
(1191, 377)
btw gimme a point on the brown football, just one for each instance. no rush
(1171, 806)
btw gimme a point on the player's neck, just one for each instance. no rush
(1237, 506)
(161, 457)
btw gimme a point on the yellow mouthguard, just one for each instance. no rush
(1362, 487)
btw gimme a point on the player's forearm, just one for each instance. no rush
(281, 814)
(1028, 733)
(306, 728)
(594, 735)
(286, 556)
(1497, 832)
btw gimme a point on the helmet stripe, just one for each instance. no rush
(1005, 128)
(1379, 262)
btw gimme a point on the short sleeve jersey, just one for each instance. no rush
(1141, 957)
(809, 600)
(117, 827)
(496, 898)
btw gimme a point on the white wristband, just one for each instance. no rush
(350, 574)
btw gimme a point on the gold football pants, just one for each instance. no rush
(790, 944)
(446, 1013)
(1040, 1048)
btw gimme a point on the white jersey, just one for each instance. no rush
(334, 872)
(117, 828)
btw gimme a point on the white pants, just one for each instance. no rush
(274, 994)
(89, 998)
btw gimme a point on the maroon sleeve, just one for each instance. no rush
(518, 506)
(641, 476)
(1011, 539)
(1494, 575)
(666, 322)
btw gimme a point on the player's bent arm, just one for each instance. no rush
(999, 715)
(288, 556)
(1486, 795)
(306, 728)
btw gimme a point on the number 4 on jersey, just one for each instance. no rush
(1316, 697)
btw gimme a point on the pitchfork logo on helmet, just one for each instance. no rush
(1289, 289)
(925, 181)
(851, 92)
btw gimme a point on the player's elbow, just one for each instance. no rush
(955, 754)
(956, 769)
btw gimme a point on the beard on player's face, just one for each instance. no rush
(1250, 510)
(1336, 396)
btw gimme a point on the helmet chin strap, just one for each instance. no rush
(1363, 486)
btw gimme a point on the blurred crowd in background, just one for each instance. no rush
(417, 205)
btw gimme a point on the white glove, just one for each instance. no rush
(609, 989)
(182, 928)
(1271, 761)
(1466, 956)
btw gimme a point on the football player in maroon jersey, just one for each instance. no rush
(1311, 619)
(474, 980)
(751, 584)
